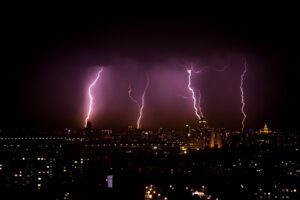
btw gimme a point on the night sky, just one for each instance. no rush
(51, 56)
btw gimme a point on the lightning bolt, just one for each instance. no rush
(131, 97)
(199, 104)
(91, 96)
(189, 71)
(142, 105)
(242, 95)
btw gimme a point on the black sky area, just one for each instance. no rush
(48, 51)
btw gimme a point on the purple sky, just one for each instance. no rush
(59, 92)
(48, 66)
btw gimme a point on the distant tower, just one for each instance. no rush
(215, 138)
(265, 130)
(212, 138)
(219, 137)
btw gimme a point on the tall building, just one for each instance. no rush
(204, 133)
(215, 137)
(203, 123)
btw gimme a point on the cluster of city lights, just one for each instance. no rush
(152, 193)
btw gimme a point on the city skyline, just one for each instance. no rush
(151, 102)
